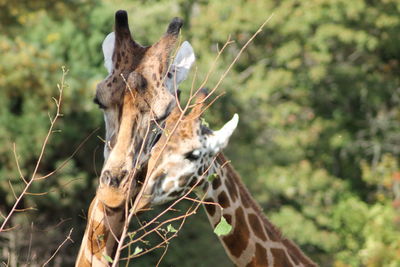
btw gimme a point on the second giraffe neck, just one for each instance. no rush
(99, 242)
(253, 240)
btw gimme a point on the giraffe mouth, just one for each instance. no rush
(138, 182)
(156, 139)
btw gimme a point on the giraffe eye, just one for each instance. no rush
(193, 155)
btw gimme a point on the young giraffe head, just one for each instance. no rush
(175, 168)
(189, 156)
(136, 96)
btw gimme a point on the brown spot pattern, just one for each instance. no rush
(296, 254)
(182, 181)
(237, 241)
(260, 257)
(176, 193)
(231, 189)
(216, 183)
(193, 182)
(210, 208)
(98, 234)
(245, 199)
(201, 182)
(228, 218)
(256, 226)
(280, 258)
(223, 200)
(271, 235)
(205, 186)
(294, 259)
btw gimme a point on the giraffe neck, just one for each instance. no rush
(99, 241)
(253, 240)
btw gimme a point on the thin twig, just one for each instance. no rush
(62, 165)
(18, 167)
(44, 145)
(240, 53)
(59, 247)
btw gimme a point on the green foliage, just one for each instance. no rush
(171, 229)
(211, 177)
(317, 91)
(137, 250)
(108, 258)
(223, 227)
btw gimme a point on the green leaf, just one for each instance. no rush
(211, 177)
(223, 227)
(137, 250)
(100, 238)
(131, 235)
(108, 258)
(203, 122)
(166, 132)
(171, 229)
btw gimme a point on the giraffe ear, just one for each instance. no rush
(218, 140)
(108, 50)
(180, 67)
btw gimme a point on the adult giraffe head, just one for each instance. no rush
(136, 96)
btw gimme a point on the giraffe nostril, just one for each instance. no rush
(105, 177)
(110, 179)
(114, 181)
(124, 173)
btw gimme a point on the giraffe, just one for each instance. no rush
(136, 97)
(186, 160)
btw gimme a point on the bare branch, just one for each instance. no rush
(41, 154)
(59, 247)
(16, 161)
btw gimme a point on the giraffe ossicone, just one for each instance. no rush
(219, 139)
(177, 71)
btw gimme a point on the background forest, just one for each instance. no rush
(318, 142)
